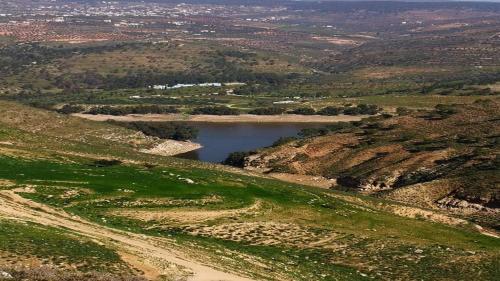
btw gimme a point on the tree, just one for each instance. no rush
(304, 111)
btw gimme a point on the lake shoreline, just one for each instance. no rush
(243, 118)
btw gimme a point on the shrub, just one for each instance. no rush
(352, 111)
(441, 111)
(313, 132)
(237, 159)
(106, 162)
(304, 111)
(340, 127)
(69, 109)
(362, 109)
(283, 140)
(330, 111)
(125, 110)
(401, 111)
(215, 110)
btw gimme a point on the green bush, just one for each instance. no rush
(304, 111)
(125, 110)
(69, 109)
(237, 159)
(215, 110)
(330, 111)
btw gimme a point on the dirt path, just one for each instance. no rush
(152, 252)
(243, 118)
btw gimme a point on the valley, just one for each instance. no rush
(226, 140)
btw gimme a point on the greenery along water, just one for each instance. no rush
(219, 140)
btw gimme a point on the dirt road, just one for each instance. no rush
(150, 252)
(243, 118)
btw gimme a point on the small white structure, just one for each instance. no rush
(284, 102)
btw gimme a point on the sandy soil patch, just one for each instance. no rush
(6, 183)
(495, 87)
(188, 215)
(339, 41)
(172, 147)
(243, 118)
(316, 181)
(266, 233)
(441, 27)
(389, 72)
(411, 212)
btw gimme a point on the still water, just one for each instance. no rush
(220, 139)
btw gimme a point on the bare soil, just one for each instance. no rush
(285, 118)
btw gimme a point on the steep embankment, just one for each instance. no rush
(447, 159)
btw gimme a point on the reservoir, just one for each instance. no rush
(220, 139)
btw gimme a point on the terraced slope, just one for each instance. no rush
(442, 159)
(65, 206)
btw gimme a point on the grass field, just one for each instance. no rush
(30, 244)
(289, 229)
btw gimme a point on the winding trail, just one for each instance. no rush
(139, 248)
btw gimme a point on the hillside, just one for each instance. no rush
(444, 159)
(66, 211)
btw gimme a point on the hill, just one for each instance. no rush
(444, 159)
(74, 200)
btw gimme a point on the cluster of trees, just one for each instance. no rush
(330, 111)
(303, 111)
(236, 54)
(338, 127)
(361, 109)
(237, 159)
(146, 78)
(447, 85)
(215, 110)
(70, 108)
(163, 130)
(124, 110)
(442, 111)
